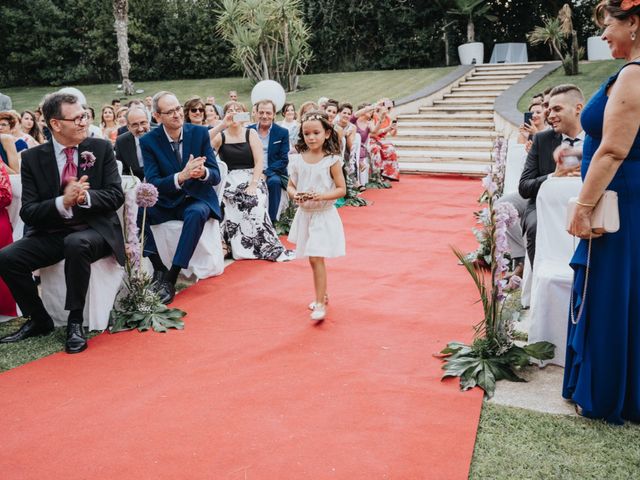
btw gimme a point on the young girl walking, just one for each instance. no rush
(316, 181)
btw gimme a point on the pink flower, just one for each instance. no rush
(89, 160)
(146, 195)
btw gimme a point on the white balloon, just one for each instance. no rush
(76, 92)
(269, 90)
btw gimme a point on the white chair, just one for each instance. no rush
(104, 284)
(552, 275)
(14, 208)
(208, 258)
(516, 157)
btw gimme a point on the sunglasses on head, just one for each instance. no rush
(196, 109)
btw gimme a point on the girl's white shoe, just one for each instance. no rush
(318, 313)
(312, 305)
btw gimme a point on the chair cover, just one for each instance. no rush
(516, 157)
(552, 275)
(14, 208)
(509, 53)
(104, 284)
(208, 258)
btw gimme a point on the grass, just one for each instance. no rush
(355, 87)
(591, 76)
(516, 443)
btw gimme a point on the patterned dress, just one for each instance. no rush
(383, 153)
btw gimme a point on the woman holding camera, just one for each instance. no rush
(602, 372)
(246, 228)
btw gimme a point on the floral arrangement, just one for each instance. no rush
(493, 355)
(88, 160)
(139, 306)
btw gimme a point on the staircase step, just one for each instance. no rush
(477, 83)
(524, 71)
(443, 145)
(436, 155)
(451, 168)
(446, 109)
(408, 124)
(464, 88)
(470, 94)
(496, 77)
(447, 117)
(477, 101)
(469, 134)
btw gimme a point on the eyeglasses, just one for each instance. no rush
(136, 126)
(195, 110)
(173, 111)
(77, 120)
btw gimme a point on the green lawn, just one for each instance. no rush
(355, 87)
(514, 443)
(592, 75)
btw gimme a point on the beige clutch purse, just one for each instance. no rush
(605, 215)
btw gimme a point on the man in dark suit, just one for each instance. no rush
(127, 145)
(275, 144)
(565, 104)
(179, 161)
(68, 217)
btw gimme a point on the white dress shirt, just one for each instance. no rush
(61, 160)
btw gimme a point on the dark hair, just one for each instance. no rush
(93, 112)
(535, 104)
(233, 103)
(345, 105)
(284, 110)
(331, 145)
(613, 8)
(567, 88)
(538, 95)
(113, 110)
(35, 130)
(189, 104)
(52, 105)
(115, 100)
(362, 105)
(334, 103)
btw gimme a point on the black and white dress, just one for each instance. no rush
(247, 228)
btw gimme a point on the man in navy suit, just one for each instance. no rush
(275, 144)
(179, 161)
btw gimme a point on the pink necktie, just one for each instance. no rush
(70, 169)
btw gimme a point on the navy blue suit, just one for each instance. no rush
(195, 202)
(277, 163)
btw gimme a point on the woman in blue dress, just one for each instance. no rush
(602, 370)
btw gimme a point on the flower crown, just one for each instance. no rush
(629, 4)
(320, 116)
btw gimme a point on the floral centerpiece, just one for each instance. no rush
(139, 305)
(493, 354)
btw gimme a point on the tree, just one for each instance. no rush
(269, 38)
(550, 33)
(121, 24)
(472, 9)
(570, 61)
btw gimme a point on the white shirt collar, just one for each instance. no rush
(580, 136)
(58, 148)
(171, 139)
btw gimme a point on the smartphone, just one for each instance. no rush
(241, 117)
(527, 117)
(394, 121)
(389, 103)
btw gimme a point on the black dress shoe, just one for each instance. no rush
(157, 279)
(31, 328)
(166, 291)
(76, 341)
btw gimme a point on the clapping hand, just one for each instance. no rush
(75, 192)
(567, 161)
(194, 168)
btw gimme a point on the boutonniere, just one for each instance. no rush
(88, 160)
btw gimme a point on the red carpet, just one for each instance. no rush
(252, 390)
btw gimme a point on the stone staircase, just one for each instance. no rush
(455, 134)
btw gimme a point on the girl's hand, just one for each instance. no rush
(252, 188)
(299, 198)
(315, 196)
(580, 225)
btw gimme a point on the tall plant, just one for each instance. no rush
(471, 10)
(493, 355)
(269, 38)
(121, 24)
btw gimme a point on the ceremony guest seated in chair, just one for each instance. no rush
(565, 104)
(127, 146)
(7, 303)
(179, 161)
(275, 146)
(71, 191)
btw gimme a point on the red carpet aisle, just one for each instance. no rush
(251, 390)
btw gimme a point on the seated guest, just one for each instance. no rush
(42, 124)
(122, 123)
(289, 114)
(275, 147)
(127, 145)
(212, 117)
(7, 303)
(115, 104)
(121, 120)
(92, 130)
(179, 161)
(246, 227)
(331, 109)
(381, 147)
(565, 104)
(108, 123)
(233, 96)
(211, 100)
(69, 218)
(528, 130)
(29, 126)
(8, 125)
(194, 111)
(8, 153)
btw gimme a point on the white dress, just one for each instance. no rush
(316, 228)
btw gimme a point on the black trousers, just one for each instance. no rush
(529, 227)
(79, 249)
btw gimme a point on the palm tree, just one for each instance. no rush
(121, 24)
(566, 22)
(472, 9)
(550, 33)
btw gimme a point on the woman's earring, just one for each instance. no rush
(633, 36)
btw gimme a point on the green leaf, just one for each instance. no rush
(502, 371)
(486, 379)
(456, 367)
(540, 350)
(452, 347)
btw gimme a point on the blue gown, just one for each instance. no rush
(602, 369)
